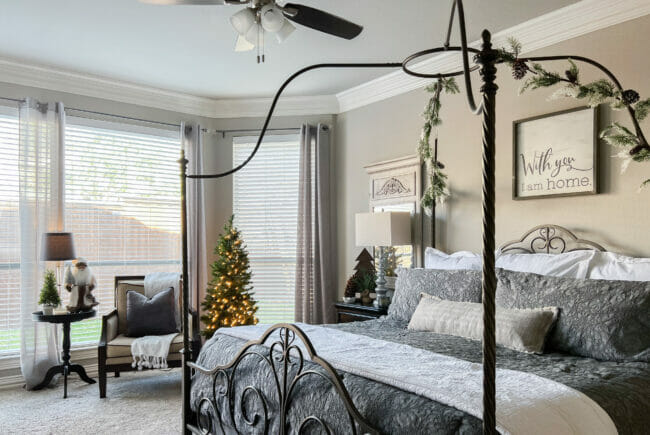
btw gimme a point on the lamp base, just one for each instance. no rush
(382, 301)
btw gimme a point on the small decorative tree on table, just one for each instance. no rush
(229, 300)
(49, 297)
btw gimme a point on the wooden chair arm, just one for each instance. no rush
(109, 327)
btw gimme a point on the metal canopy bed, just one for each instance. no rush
(284, 357)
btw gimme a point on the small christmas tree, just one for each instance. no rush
(365, 264)
(228, 300)
(49, 292)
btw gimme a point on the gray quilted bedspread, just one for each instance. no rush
(621, 389)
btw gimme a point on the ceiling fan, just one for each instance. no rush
(262, 16)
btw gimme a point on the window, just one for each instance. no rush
(9, 233)
(122, 203)
(265, 204)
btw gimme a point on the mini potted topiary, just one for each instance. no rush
(49, 294)
(366, 284)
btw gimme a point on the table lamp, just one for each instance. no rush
(382, 229)
(57, 247)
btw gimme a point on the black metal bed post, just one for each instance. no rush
(487, 59)
(187, 411)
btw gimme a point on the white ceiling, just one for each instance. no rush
(190, 48)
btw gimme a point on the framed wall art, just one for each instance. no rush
(556, 154)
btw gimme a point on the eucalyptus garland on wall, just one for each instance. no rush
(436, 190)
(633, 144)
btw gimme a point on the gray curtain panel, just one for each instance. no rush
(315, 288)
(192, 135)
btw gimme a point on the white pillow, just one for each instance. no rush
(567, 265)
(519, 329)
(611, 266)
(462, 260)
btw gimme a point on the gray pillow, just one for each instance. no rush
(153, 316)
(452, 285)
(519, 329)
(601, 319)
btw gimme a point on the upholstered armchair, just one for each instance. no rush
(114, 352)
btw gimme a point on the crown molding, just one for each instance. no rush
(560, 25)
(45, 77)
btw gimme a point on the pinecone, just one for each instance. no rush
(519, 69)
(630, 96)
(571, 76)
(351, 287)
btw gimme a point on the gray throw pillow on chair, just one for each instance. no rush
(153, 316)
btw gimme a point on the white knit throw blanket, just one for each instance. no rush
(151, 351)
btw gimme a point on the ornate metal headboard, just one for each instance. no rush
(549, 239)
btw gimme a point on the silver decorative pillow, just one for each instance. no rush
(452, 285)
(523, 330)
(605, 320)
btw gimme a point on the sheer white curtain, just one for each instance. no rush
(192, 137)
(315, 291)
(41, 133)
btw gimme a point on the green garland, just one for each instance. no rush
(436, 190)
(634, 146)
(602, 91)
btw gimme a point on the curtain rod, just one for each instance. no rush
(169, 124)
(247, 130)
(15, 100)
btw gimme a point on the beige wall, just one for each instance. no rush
(618, 217)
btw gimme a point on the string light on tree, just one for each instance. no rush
(229, 300)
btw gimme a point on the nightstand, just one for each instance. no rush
(357, 312)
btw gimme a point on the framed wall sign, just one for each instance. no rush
(556, 154)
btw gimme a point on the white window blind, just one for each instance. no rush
(265, 204)
(9, 234)
(122, 203)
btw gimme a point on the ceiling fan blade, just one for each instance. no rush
(321, 21)
(184, 2)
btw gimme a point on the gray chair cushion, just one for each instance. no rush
(606, 320)
(153, 316)
(452, 285)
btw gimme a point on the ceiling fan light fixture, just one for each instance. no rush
(252, 34)
(243, 20)
(242, 44)
(272, 18)
(284, 32)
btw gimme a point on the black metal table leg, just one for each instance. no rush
(66, 367)
(78, 369)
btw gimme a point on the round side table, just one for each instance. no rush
(66, 368)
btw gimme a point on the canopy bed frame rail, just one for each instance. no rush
(486, 58)
(284, 357)
(549, 239)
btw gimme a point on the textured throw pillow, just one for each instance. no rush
(568, 264)
(436, 259)
(153, 316)
(524, 330)
(606, 320)
(453, 285)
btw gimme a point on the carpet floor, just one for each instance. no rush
(146, 402)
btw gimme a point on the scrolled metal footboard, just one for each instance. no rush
(285, 360)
